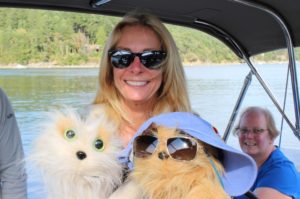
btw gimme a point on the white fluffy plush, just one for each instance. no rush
(78, 156)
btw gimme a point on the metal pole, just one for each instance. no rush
(268, 91)
(244, 89)
(292, 62)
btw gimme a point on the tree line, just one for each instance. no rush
(65, 38)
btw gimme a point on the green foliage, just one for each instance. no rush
(65, 38)
(198, 47)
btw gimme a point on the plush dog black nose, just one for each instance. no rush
(81, 155)
(163, 155)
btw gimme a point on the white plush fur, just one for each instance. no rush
(65, 175)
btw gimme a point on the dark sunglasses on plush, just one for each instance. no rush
(151, 59)
(179, 148)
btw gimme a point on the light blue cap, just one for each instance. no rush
(240, 169)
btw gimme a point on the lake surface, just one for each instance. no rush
(213, 91)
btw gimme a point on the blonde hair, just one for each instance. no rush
(273, 132)
(172, 94)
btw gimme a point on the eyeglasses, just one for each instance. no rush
(255, 131)
(150, 59)
(179, 148)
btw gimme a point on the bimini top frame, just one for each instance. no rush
(254, 30)
(248, 27)
(292, 68)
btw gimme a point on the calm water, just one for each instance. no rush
(213, 92)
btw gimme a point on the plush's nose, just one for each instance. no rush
(81, 155)
(163, 155)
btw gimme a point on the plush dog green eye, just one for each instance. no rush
(70, 134)
(99, 145)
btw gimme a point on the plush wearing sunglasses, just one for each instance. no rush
(151, 59)
(179, 148)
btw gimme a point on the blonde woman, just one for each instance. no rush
(141, 74)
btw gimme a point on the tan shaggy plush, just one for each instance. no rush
(155, 178)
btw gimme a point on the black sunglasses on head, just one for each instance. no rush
(150, 59)
(179, 148)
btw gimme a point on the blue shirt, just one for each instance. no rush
(279, 173)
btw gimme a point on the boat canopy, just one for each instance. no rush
(254, 30)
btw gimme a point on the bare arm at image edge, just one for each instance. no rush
(12, 169)
(266, 193)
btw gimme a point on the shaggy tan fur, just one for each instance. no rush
(173, 179)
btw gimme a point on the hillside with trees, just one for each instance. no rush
(65, 38)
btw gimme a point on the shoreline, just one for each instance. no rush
(47, 65)
(96, 65)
